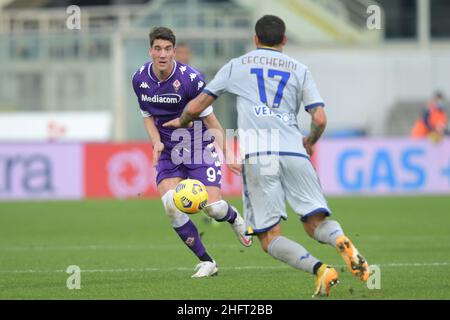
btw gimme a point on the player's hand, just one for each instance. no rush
(175, 123)
(158, 147)
(236, 168)
(308, 146)
(233, 164)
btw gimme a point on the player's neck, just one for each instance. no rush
(162, 75)
(276, 48)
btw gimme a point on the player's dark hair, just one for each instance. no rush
(270, 30)
(162, 33)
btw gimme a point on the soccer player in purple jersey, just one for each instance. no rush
(163, 88)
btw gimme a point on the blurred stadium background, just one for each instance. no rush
(70, 127)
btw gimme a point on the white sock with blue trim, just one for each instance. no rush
(292, 253)
(328, 231)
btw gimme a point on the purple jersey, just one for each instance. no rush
(165, 100)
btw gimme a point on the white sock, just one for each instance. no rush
(221, 211)
(177, 218)
(328, 231)
(292, 253)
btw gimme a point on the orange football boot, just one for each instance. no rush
(326, 277)
(355, 262)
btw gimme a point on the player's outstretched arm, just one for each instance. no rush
(318, 124)
(191, 111)
(214, 127)
(155, 138)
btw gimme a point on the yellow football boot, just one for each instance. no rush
(355, 262)
(326, 277)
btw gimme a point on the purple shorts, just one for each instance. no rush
(206, 168)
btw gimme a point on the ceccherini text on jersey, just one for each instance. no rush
(270, 61)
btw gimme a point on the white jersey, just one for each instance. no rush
(270, 88)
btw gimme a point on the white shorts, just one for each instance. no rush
(265, 195)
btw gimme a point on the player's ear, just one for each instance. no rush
(150, 51)
(256, 40)
(285, 40)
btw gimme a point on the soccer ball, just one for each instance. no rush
(190, 196)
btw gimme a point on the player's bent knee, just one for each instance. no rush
(316, 219)
(313, 222)
(263, 241)
(265, 246)
(169, 205)
(265, 238)
(217, 210)
(214, 194)
(176, 217)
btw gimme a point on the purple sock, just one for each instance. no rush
(189, 234)
(230, 216)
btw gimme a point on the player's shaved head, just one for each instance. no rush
(270, 30)
(162, 33)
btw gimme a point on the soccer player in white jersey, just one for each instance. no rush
(270, 88)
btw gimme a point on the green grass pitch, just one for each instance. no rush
(126, 249)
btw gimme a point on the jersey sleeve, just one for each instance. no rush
(197, 83)
(220, 83)
(197, 86)
(135, 85)
(310, 95)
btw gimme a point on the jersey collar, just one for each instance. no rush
(154, 78)
(268, 48)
